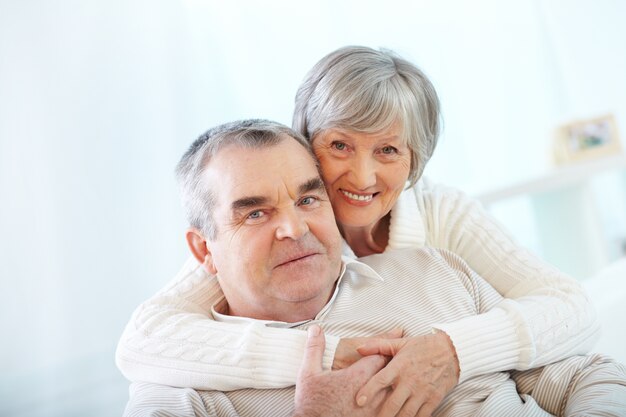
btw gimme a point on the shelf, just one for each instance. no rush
(573, 217)
(561, 177)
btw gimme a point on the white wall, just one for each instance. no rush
(98, 100)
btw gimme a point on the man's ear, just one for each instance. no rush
(200, 249)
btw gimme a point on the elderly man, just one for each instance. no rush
(268, 233)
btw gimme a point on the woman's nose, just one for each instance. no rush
(363, 172)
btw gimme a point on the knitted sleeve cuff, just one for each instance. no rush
(279, 357)
(484, 343)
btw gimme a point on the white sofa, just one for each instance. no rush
(607, 290)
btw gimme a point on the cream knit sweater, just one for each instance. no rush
(173, 340)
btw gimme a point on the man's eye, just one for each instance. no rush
(340, 146)
(307, 201)
(255, 215)
(389, 150)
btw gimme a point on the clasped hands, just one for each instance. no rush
(392, 375)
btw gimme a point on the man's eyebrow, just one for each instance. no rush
(247, 202)
(314, 184)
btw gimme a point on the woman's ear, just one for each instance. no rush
(200, 249)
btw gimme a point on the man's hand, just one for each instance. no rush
(423, 370)
(346, 353)
(332, 393)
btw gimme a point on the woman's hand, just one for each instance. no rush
(346, 353)
(423, 370)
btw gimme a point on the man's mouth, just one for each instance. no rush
(296, 258)
(358, 197)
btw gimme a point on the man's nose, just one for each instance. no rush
(363, 172)
(291, 225)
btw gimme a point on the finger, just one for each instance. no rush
(313, 351)
(395, 402)
(387, 347)
(426, 410)
(365, 368)
(383, 379)
(377, 402)
(412, 406)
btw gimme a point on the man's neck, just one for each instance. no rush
(280, 312)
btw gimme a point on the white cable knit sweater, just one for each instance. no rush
(173, 340)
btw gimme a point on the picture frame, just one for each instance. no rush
(587, 139)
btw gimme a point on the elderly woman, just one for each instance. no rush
(373, 121)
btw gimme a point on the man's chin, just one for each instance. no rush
(306, 290)
(307, 279)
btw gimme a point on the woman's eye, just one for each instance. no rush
(389, 150)
(340, 146)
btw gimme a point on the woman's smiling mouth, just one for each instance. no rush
(357, 198)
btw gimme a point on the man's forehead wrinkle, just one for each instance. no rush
(242, 189)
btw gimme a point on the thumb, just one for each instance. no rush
(386, 347)
(313, 351)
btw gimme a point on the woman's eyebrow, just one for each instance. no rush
(389, 138)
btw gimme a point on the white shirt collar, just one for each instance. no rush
(351, 267)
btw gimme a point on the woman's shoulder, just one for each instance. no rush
(427, 190)
(446, 212)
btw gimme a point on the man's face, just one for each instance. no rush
(277, 252)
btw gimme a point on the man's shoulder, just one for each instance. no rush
(425, 261)
(433, 271)
(410, 255)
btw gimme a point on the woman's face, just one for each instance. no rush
(364, 173)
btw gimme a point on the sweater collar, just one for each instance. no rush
(406, 226)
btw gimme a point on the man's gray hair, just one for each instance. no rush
(362, 89)
(198, 200)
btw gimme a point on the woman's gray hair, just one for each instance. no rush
(362, 89)
(198, 200)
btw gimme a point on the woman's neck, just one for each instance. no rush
(367, 240)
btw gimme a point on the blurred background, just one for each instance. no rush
(98, 101)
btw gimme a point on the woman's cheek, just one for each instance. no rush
(329, 169)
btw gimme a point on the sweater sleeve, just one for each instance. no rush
(173, 340)
(545, 315)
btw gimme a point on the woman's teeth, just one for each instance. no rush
(357, 197)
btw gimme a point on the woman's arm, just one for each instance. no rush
(548, 311)
(173, 340)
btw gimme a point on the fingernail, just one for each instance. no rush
(314, 330)
(361, 401)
